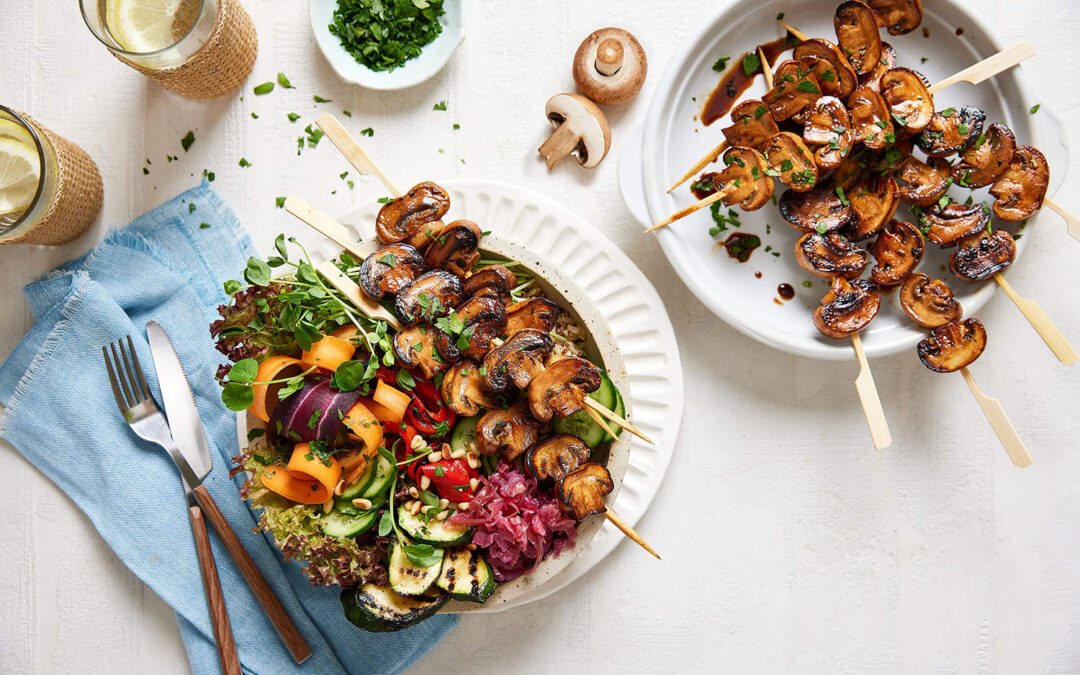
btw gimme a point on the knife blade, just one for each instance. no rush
(180, 408)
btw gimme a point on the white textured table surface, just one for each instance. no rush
(788, 542)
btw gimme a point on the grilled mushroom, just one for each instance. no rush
(852, 170)
(886, 62)
(953, 346)
(455, 249)
(829, 255)
(430, 295)
(483, 320)
(390, 269)
(560, 390)
(582, 491)
(414, 347)
(556, 457)
(463, 389)
(874, 200)
(744, 176)
(920, 183)
(828, 125)
(791, 94)
(983, 255)
(857, 35)
(985, 159)
(538, 313)
(898, 250)
(847, 308)
(518, 360)
(508, 432)
(414, 216)
(898, 16)
(951, 131)
(929, 303)
(751, 125)
(954, 222)
(905, 92)
(495, 281)
(789, 157)
(831, 68)
(1021, 188)
(870, 120)
(819, 210)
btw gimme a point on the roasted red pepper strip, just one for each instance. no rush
(453, 484)
(407, 433)
(427, 411)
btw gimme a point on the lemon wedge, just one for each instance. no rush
(19, 172)
(143, 26)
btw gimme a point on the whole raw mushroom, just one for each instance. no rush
(580, 129)
(610, 66)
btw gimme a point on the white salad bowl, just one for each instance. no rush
(414, 71)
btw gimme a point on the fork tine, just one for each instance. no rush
(120, 402)
(120, 375)
(130, 374)
(145, 388)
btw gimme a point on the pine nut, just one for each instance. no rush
(415, 508)
(442, 515)
(445, 449)
(458, 454)
(417, 442)
(471, 547)
(444, 503)
(362, 503)
(327, 506)
(434, 457)
(425, 482)
(474, 483)
(473, 460)
(414, 493)
(472, 447)
(464, 506)
(340, 487)
(425, 509)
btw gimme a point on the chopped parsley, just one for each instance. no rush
(721, 64)
(188, 140)
(264, 88)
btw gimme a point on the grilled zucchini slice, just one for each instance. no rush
(408, 578)
(378, 609)
(466, 575)
(437, 532)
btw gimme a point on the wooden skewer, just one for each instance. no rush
(351, 291)
(592, 405)
(700, 204)
(801, 36)
(1004, 429)
(988, 67)
(1072, 221)
(868, 396)
(701, 164)
(599, 420)
(629, 532)
(1041, 322)
(324, 225)
(348, 146)
(766, 68)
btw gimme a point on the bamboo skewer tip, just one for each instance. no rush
(630, 532)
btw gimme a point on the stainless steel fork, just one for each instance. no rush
(147, 421)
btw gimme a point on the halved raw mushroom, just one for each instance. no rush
(828, 125)
(791, 161)
(985, 159)
(857, 35)
(951, 131)
(581, 492)
(898, 16)
(907, 94)
(414, 217)
(953, 346)
(954, 222)
(390, 269)
(580, 129)
(829, 255)
(751, 125)
(829, 65)
(790, 95)
(874, 200)
(556, 457)
(429, 296)
(494, 281)
(983, 255)
(870, 119)
(518, 360)
(414, 347)
(508, 432)
(847, 308)
(929, 303)
(456, 248)
(745, 179)
(1021, 188)
(463, 389)
(886, 62)
(920, 183)
(560, 390)
(898, 250)
(538, 313)
(483, 319)
(819, 210)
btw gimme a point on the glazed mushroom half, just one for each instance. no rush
(874, 200)
(456, 248)
(898, 250)
(415, 348)
(518, 360)
(828, 126)
(847, 308)
(830, 255)
(954, 221)
(829, 66)
(561, 389)
(429, 296)
(473, 327)
(908, 96)
(580, 129)
(582, 491)
(857, 35)
(390, 269)
(538, 313)
(929, 303)
(951, 131)
(744, 180)
(463, 389)
(982, 256)
(897, 16)
(791, 161)
(494, 281)
(610, 66)
(556, 457)
(820, 210)
(508, 432)
(987, 158)
(751, 125)
(953, 346)
(1020, 189)
(414, 217)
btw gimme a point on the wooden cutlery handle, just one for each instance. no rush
(219, 615)
(277, 614)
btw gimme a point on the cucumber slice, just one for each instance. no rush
(437, 532)
(407, 578)
(581, 425)
(464, 433)
(337, 524)
(377, 609)
(384, 474)
(353, 491)
(466, 575)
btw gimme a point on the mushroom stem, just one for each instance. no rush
(995, 414)
(1072, 221)
(868, 396)
(1040, 321)
(609, 56)
(629, 532)
(700, 204)
(559, 144)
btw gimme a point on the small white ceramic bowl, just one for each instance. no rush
(413, 72)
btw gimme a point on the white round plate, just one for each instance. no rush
(414, 71)
(579, 260)
(672, 139)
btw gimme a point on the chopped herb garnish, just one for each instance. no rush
(293, 117)
(254, 115)
(1035, 108)
(279, 202)
(284, 81)
(721, 64)
(948, 112)
(244, 163)
(441, 105)
(188, 140)
(320, 99)
(384, 35)
(264, 88)
(751, 63)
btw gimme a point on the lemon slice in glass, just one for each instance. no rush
(19, 171)
(12, 129)
(143, 26)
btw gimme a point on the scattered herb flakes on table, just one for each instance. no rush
(384, 34)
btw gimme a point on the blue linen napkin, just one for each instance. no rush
(61, 415)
